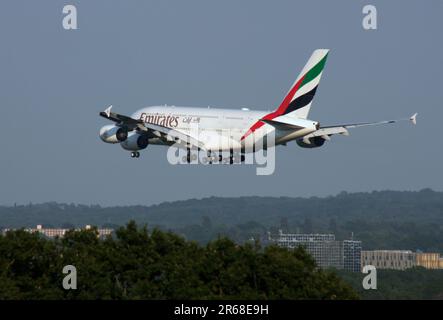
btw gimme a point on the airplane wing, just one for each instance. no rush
(168, 135)
(120, 119)
(326, 132)
(173, 136)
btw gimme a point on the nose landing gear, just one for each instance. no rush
(135, 154)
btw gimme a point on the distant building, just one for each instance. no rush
(57, 232)
(401, 259)
(389, 259)
(352, 255)
(326, 251)
(429, 260)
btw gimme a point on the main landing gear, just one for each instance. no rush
(189, 156)
(234, 157)
(135, 154)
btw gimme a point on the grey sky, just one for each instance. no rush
(225, 53)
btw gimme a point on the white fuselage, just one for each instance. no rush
(219, 129)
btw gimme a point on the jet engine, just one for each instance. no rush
(135, 142)
(314, 142)
(113, 134)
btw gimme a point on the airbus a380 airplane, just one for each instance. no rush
(236, 131)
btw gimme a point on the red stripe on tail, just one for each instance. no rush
(280, 110)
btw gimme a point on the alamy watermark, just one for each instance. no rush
(69, 21)
(369, 281)
(369, 21)
(70, 281)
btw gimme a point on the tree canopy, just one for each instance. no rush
(139, 264)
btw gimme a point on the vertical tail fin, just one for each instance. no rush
(298, 100)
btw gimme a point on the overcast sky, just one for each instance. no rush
(231, 54)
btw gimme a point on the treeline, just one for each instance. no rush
(382, 220)
(137, 264)
(387, 206)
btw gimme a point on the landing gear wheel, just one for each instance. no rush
(231, 156)
(188, 155)
(135, 154)
(186, 159)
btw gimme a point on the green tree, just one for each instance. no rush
(138, 264)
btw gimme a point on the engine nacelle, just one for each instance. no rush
(135, 142)
(314, 142)
(113, 134)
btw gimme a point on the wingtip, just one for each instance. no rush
(108, 111)
(414, 118)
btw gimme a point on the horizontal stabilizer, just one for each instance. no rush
(281, 125)
(290, 123)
